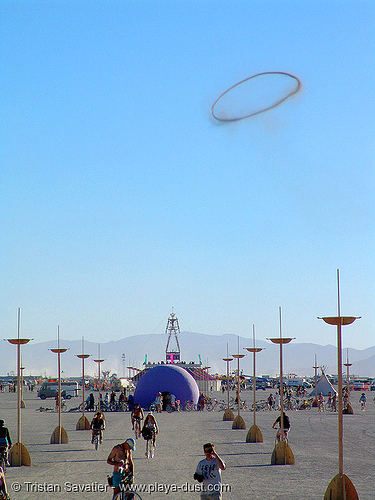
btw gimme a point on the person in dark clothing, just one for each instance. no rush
(5, 440)
(286, 425)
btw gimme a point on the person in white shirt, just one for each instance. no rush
(208, 472)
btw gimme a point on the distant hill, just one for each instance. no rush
(298, 357)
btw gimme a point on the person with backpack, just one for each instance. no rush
(149, 431)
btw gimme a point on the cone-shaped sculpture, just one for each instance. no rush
(239, 423)
(83, 424)
(254, 435)
(334, 490)
(59, 436)
(19, 455)
(228, 415)
(348, 410)
(282, 454)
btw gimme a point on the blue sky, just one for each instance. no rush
(122, 198)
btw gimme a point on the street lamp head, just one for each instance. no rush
(340, 320)
(254, 349)
(282, 340)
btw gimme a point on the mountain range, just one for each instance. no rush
(298, 358)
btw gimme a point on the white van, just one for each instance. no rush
(49, 390)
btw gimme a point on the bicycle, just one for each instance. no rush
(215, 405)
(137, 427)
(3, 458)
(172, 407)
(96, 439)
(260, 406)
(189, 406)
(150, 448)
(126, 492)
(305, 405)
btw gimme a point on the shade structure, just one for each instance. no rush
(166, 378)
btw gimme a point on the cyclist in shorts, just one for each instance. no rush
(150, 423)
(363, 400)
(137, 415)
(97, 424)
(121, 458)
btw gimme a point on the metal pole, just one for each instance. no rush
(316, 380)
(228, 376)
(281, 383)
(18, 380)
(254, 375)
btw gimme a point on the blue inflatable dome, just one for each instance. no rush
(166, 378)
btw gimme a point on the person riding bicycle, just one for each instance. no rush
(363, 400)
(137, 416)
(97, 426)
(121, 459)
(150, 429)
(286, 426)
(5, 441)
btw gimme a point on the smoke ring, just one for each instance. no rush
(274, 105)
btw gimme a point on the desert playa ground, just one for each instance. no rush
(76, 471)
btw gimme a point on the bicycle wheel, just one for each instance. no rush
(209, 407)
(3, 463)
(169, 408)
(96, 442)
(127, 495)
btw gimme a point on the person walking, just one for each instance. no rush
(208, 472)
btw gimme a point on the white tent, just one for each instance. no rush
(324, 386)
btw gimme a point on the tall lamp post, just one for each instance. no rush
(22, 401)
(19, 454)
(282, 454)
(315, 402)
(254, 434)
(99, 361)
(59, 435)
(340, 488)
(205, 379)
(238, 422)
(228, 414)
(349, 408)
(83, 423)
